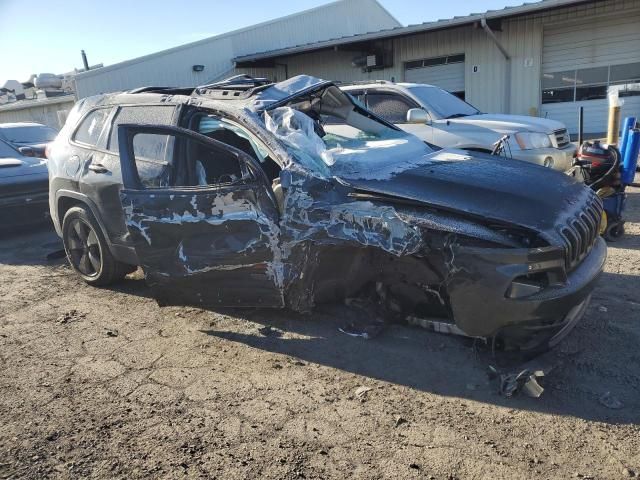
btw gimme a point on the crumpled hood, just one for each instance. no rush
(508, 123)
(485, 186)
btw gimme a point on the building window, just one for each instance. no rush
(435, 62)
(627, 77)
(590, 83)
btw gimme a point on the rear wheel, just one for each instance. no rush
(87, 249)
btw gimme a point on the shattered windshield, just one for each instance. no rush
(442, 104)
(345, 150)
(352, 145)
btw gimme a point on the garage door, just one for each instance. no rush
(444, 72)
(581, 60)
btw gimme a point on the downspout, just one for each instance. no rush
(505, 54)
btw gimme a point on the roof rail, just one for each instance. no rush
(238, 82)
(365, 82)
(238, 86)
(167, 90)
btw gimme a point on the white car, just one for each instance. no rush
(445, 121)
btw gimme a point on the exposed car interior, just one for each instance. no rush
(333, 112)
(214, 166)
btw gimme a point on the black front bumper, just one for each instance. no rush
(481, 305)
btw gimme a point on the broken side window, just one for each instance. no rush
(151, 151)
(88, 133)
(153, 159)
(230, 133)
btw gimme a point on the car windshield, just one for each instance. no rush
(7, 151)
(442, 104)
(360, 147)
(29, 134)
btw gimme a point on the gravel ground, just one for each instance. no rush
(102, 383)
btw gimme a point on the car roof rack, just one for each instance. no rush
(238, 86)
(365, 82)
(166, 90)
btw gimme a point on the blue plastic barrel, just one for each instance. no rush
(629, 123)
(630, 158)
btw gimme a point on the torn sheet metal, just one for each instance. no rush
(526, 382)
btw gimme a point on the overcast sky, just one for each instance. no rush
(38, 36)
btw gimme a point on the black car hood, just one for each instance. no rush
(21, 166)
(487, 187)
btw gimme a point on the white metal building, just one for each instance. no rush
(545, 58)
(210, 59)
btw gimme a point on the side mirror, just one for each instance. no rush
(27, 151)
(418, 115)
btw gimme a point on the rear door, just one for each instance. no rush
(203, 222)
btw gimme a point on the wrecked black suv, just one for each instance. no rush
(245, 193)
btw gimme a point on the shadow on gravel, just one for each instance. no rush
(598, 357)
(31, 245)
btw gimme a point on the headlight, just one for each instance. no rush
(532, 140)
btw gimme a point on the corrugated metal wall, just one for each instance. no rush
(52, 112)
(174, 67)
(485, 88)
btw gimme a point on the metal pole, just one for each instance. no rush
(580, 125)
(84, 61)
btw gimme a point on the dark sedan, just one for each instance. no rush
(24, 188)
(28, 137)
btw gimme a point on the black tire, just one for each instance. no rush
(87, 250)
(614, 231)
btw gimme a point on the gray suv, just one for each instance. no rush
(444, 120)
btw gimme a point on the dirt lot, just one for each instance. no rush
(102, 383)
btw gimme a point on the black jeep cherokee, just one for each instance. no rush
(292, 194)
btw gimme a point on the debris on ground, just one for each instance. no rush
(400, 420)
(528, 376)
(70, 316)
(610, 401)
(361, 392)
(111, 332)
(355, 331)
(366, 326)
(526, 382)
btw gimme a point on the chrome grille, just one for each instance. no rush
(562, 137)
(581, 231)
